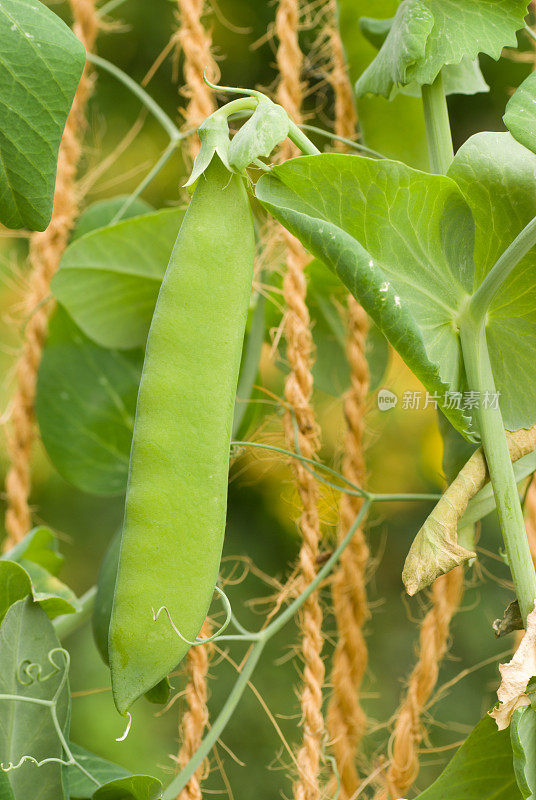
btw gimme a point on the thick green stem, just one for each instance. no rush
(480, 379)
(501, 271)
(436, 118)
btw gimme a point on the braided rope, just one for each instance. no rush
(345, 718)
(447, 592)
(298, 392)
(196, 45)
(46, 249)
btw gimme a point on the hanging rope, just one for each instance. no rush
(346, 719)
(46, 249)
(298, 391)
(196, 45)
(447, 592)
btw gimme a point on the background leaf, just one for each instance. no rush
(428, 34)
(133, 787)
(86, 402)
(40, 546)
(18, 581)
(482, 768)
(520, 116)
(27, 637)
(80, 786)
(109, 279)
(102, 213)
(41, 62)
(405, 141)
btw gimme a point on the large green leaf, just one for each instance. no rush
(404, 243)
(86, 402)
(394, 128)
(428, 34)
(32, 666)
(523, 736)
(109, 279)
(41, 62)
(520, 116)
(482, 768)
(80, 786)
(338, 205)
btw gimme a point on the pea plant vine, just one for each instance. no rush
(156, 322)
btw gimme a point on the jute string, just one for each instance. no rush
(345, 718)
(46, 249)
(447, 592)
(298, 392)
(196, 44)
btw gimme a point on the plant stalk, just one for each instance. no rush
(480, 378)
(501, 271)
(438, 134)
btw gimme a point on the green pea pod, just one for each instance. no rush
(177, 489)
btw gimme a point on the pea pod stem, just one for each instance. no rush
(260, 639)
(480, 379)
(68, 623)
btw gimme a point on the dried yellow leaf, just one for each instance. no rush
(512, 692)
(435, 549)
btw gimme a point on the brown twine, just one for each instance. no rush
(298, 392)
(447, 592)
(196, 44)
(346, 718)
(46, 249)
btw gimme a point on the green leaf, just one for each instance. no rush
(32, 665)
(498, 179)
(86, 402)
(41, 62)
(462, 78)
(103, 212)
(80, 786)
(414, 274)
(133, 787)
(523, 736)
(520, 116)
(39, 546)
(482, 768)
(394, 128)
(428, 34)
(109, 279)
(265, 129)
(18, 581)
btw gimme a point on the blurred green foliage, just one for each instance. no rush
(404, 454)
